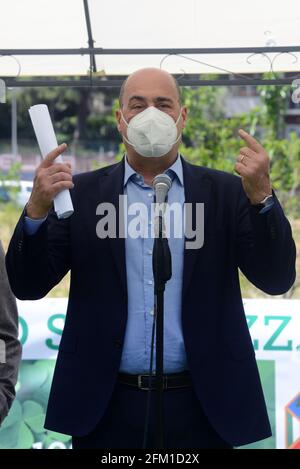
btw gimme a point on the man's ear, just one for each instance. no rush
(118, 119)
(184, 114)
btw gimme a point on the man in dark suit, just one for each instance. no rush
(10, 347)
(213, 397)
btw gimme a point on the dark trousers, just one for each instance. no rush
(122, 426)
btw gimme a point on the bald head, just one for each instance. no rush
(143, 89)
(149, 78)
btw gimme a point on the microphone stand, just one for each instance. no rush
(162, 272)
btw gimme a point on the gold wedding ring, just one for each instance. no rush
(241, 159)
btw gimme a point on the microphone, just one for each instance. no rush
(162, 184)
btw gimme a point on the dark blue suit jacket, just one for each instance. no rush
(218, 345)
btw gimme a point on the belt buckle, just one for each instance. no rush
(140, 384)
(165, 383)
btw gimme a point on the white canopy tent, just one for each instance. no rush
(47, 37)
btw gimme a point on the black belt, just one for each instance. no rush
(170, 381)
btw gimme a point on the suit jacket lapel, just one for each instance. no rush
(198, 188)
(111, 187)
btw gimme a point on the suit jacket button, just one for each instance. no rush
(118, 343)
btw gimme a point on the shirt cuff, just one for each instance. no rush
(31, 226)
(267, 207)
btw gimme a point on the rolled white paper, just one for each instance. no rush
(47, 141)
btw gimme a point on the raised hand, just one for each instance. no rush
(253, 165)
(50, 179)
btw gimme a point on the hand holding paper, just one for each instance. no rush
(53, 177)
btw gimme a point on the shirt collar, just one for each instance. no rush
(129, 171)
(174, 170)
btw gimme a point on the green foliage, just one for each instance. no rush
(9, 214)
(210, 138)
(75, 112)
(24, 425)
(274, 101)
(12, 175)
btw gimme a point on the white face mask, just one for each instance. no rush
(152, 132)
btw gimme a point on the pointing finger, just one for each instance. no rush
(53, 155)
(251, 142)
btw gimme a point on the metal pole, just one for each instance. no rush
(14, 141)
(151, 51)
(90, 36)
(109, 82)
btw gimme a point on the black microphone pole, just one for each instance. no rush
(162, 272)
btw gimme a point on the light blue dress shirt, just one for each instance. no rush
(137, 343)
